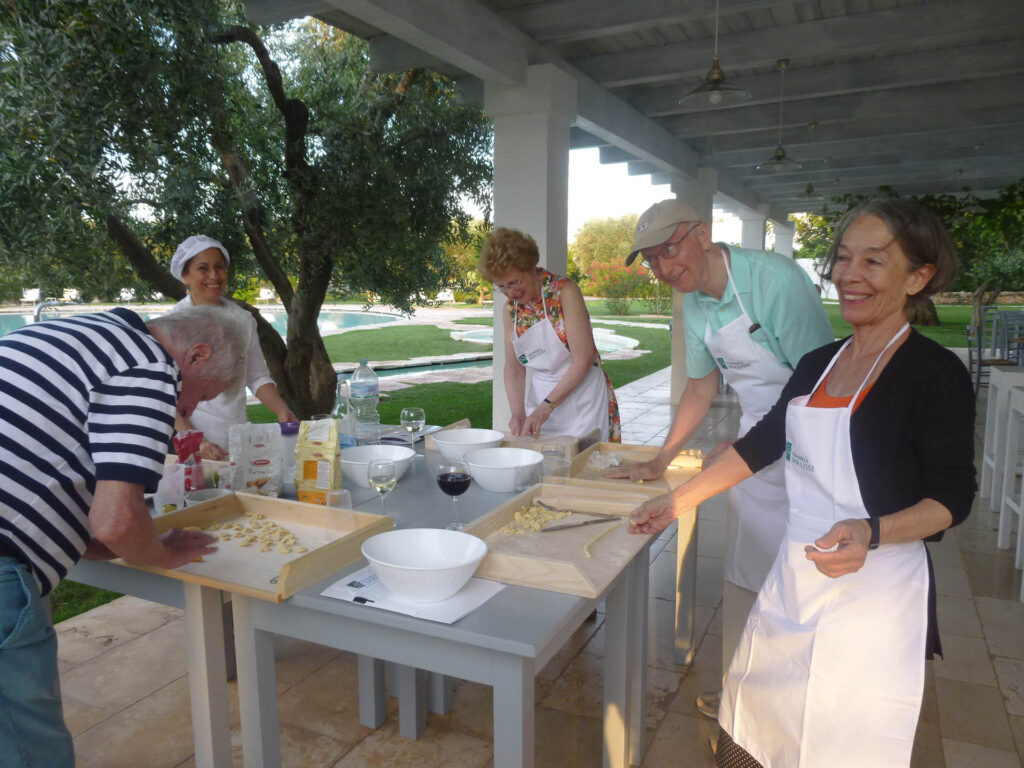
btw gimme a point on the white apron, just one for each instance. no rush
(758, 505)
(544, 354)
(830, 672)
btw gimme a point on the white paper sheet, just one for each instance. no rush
(364, 587)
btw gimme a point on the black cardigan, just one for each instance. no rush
(912, 436)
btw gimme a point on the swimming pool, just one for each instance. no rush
(605, 339)
(329, 322)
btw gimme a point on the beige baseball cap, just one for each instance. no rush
(657, 224)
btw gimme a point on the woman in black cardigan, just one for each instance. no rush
(877, 431)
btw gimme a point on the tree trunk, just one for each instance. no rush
(922, 313)
(983, 296)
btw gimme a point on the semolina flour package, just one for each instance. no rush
(317, 460)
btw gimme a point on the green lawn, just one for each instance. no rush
(949, 333)
(398, 342)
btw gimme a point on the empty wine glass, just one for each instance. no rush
(381, 474)
(453, 478)
(413, 420)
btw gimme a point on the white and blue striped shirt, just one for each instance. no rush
(82, 399)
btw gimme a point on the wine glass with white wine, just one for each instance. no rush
(382, 477)
(413, 420)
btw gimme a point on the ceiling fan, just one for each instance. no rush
(779, 161)
(714, 91)
(809, 195)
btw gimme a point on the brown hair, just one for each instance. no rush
(918, 231)
(504, 250)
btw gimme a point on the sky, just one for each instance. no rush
(599, 191)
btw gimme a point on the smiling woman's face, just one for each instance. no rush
(872, 274)
(206, 277)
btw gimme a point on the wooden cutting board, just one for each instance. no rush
(556, 561)
(583, 468)
(332, 538)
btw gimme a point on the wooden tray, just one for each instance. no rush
(332, 538)
(685, 465)
(564, 444)
(556, 561)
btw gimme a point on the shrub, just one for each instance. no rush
(618, 284)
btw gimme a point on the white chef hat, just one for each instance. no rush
(193, 246)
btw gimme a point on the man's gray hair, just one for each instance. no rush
(226, 332)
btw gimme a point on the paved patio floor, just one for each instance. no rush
(126, 692)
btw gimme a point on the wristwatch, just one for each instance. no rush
(876, 532)
(550, 404)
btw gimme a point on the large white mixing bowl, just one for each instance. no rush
(356, 460)
(456, 443)
(424, 565)
(497, 469)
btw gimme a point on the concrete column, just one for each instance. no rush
(784, 238)
(752, 234)
(698, 192)
(531, 179)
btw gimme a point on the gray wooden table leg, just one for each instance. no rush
(373, 700)
(514, 737)
(257, 689)
(624, 665)
(411, 686)
(204, 628)
(686, 586)
(636, 658)
(439, 691)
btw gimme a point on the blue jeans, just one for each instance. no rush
(32, 730)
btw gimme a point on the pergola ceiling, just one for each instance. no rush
(924, 96)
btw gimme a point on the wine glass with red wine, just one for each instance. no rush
(453, 478)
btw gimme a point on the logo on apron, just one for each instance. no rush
(795, 458)
(524, 359)
(722, 365)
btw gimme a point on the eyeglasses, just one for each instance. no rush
(513, 285)
(668, 250)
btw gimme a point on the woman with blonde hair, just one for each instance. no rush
(547, 329)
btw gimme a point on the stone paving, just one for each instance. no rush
(126, 692)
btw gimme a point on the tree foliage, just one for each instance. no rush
(128, 125)
(988, 235)
(603, 240)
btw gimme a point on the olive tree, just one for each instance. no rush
(126, 126)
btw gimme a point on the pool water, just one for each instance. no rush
(605, 339)
(329, 322)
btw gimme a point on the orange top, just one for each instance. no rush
(822, 399)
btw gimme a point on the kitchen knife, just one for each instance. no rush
(566, 526)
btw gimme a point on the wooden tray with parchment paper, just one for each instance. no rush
(583, 471)
(331, 537)
(556, 561)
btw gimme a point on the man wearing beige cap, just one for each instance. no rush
(749, 315)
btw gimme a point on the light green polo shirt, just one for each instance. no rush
(776, 292)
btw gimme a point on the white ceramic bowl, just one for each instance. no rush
(424, 565)
(496, 469)
(206, 494)
(354, 461)
(456, 443)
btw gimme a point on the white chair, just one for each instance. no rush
(1001, 382)
(1012, 496)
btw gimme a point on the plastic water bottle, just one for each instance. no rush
(343, 412)
(364, 394)
(289, 439)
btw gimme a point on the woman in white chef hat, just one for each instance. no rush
(201, 263)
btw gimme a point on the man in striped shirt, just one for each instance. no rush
(87, 408)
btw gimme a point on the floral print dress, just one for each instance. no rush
(525, 316)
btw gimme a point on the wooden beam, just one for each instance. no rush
(879, 33)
